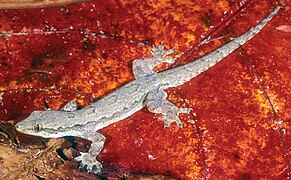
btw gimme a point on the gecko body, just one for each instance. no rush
(146, 90)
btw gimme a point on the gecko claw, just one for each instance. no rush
(184, 110)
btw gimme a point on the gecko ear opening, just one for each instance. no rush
(70, 106)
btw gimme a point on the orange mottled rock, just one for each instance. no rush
(240, 124)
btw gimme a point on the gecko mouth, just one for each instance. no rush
(18, 126)
(23, 128)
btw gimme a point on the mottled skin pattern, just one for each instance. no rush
(146, 90)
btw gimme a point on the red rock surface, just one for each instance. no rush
(241, 107)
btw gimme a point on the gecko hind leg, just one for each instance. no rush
(157, 103)
(144, 66)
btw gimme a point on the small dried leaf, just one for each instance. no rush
(284, 28)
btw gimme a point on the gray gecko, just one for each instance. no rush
(146, 90)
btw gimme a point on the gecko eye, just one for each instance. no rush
(37, 127)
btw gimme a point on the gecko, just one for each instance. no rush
(147, 90)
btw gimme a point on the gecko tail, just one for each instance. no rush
(255, 30)
(242, 39)
(194, 68)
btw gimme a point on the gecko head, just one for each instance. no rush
(40, 123)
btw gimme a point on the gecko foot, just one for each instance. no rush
(169, 119)
(89, 161)
(160, 52)
(173, 116)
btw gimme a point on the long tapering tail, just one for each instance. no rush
(186, 72)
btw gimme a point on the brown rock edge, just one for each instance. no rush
(25, 4)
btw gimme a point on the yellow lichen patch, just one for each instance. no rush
(251, 144)
(172, 19)
(222, 5)
(262, 101)
(125, 76)
(112, 85)
(190, 38)
(193, 170)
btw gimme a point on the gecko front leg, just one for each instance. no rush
(144, 66)
(97, 145)
(157, 103)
